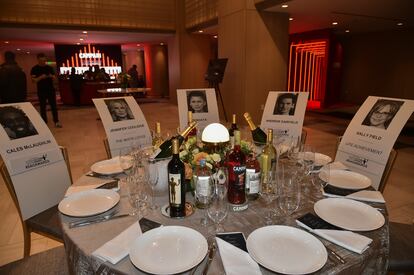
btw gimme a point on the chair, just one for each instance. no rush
(107, 149)
(52, 261)
(46, 223)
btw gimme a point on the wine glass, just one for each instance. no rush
(289, 190)
(269, 192)
(325, 175)
(152, 171)
(126, 160)
(203, 192)
(218, 209)
(307, 162)
(295, 145)
(133, 194)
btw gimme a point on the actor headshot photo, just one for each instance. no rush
(285, 104)
(119, 109)
(382, 113)
(197, 101)
(16, 123)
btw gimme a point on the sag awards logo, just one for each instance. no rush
(37, 161)
(358, 161)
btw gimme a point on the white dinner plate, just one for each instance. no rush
(321, 159)
(168, 250)
(286, 249)
(346, 179)
(349, 214)
(108, 166)
(89, 202)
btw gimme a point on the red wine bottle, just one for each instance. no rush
(257, 134)
(236, 165)
(232, 128)
(176, 183)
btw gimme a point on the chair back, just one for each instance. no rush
(107, 149)
(388, 166)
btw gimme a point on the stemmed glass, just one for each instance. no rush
(269, 192)
(289, 190)
(126, 160)
(152, 171)
(133, 194)
(324, 175)
(307, 162)
(295, 148)
(218, 209)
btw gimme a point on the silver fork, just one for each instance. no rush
(107, 216)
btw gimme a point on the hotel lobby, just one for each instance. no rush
(340, 52)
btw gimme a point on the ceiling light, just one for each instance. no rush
(400, 23)
(215, 36)
(200, 31)
(334, 23)
(285, 6)
(85, 32)
(81, 39)
(7, 42)
(290, 18)
(346, 30)
(138, 45)
(161, 43)
(78, 43)
(17, 49)
(28, 52)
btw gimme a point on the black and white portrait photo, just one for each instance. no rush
(16, 123)
(382, 113)
(197, 101)
(119, 109)
(285, 104)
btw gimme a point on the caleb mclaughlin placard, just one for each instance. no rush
(369, 138)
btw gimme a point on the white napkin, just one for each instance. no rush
(364, 195)
(347, 239)
(118, 248)
(235, 260)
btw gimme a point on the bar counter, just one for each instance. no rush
(89, 90)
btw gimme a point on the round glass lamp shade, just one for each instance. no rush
(215, 133)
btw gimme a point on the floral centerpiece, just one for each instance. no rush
(123, 79)
(192, 151)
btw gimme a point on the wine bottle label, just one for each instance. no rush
(203, 186)
(240, 173)
(232, 141)
(252, 181)
(174, 188)
(221, 177)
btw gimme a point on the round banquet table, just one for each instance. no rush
(80, 242)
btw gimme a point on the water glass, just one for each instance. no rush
(289, 190)
(133, 195)
(295, 148)
(126, 160)
(218, 209)
(324, 175)
(203, 192)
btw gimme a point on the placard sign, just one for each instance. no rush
(369, 138)
(124, 123)
(33, 159)
(203, 104)
(284, 113)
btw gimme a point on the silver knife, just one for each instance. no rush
(103, 219)
(211, 254)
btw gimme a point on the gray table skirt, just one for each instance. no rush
(81, 242)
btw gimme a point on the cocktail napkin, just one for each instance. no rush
(118, 248)
(235, 260)
(363, 195)
(347, 239)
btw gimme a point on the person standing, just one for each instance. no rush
(13, 86)
(43, 76)
(76, 82)
(133, 82)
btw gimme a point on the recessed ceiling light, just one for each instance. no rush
(200, 31)
(138, 45)
(28, 52)
(290, 18)
(285, 6)
(7, 42)
(17, 49)
(334, 23)
(400, 23)
(81, 39)
(215, 36)
(78, 43)
(161, 43)
(346, 30)
(85, 32)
